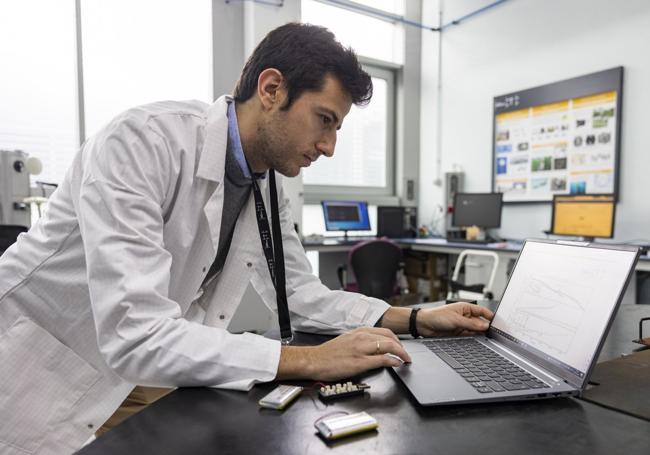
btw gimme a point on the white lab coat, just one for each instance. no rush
(100, 294)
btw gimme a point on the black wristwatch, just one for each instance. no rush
(413, 328)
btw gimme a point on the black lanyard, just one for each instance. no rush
(273, 252)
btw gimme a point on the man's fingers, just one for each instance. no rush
(380, 331)
(480, 311)
(391, 347)
(473, 324)
(380, 361)
(376, 345)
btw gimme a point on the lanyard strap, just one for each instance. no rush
(274, 252)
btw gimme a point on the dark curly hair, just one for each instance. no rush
(304, 54)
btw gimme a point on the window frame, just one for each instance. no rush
(373, 194)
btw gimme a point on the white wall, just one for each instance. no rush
(522, 44)
(430, 194)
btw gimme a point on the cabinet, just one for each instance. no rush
(426, 273)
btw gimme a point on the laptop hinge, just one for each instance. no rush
(577, 386)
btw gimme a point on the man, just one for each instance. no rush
(132, 275)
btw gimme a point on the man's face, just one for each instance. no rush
(291, 139)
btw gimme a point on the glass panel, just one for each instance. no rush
(38, 82)
(380, 39)
(138, 52)
(390, 6)
(360, 154)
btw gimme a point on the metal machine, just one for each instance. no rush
(15, 168)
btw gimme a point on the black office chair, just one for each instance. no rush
(377, 266)
(8, 235)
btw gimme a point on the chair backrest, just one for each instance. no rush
(8, 235)
(476, 291)
(375, 264)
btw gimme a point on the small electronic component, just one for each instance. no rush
(339, 426)
(342, 390)
(280, 397)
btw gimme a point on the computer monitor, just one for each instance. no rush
(477, 209)
(585, 215)
(346, 216)
(396, 222)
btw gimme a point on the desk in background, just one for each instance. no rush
(333, 252)
(507, 249)
(206, 421)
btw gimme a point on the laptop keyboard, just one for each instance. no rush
(486, 370)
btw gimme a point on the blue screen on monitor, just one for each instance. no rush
(346, 215)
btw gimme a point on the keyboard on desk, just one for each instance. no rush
(486, 370)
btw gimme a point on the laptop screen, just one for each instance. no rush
(560, 298)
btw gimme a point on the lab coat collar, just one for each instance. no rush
(212, 163)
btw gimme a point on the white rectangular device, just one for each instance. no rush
(280, 397)
(339, 426)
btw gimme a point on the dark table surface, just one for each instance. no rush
(208, 421)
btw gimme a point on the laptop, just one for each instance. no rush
(546, 333)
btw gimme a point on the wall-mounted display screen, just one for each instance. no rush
(560, 138)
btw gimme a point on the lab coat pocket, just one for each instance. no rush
(41, 380)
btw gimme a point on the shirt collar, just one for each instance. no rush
(235, 141)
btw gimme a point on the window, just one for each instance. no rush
(360, 155)
(133, 53)
(38, 82)
(143, 51)
(390, 6)
(364, 154)
(380, 39)
(363, 163)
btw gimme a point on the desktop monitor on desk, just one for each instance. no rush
(396, 222)
(346, 216)
(588, 215)
(477, 209)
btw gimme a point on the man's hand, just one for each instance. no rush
(347, 355)
(453, 319)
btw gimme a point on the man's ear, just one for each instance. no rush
(271, 88)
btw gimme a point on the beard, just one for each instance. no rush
(274, 147)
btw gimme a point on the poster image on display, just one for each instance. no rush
(560, 138)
